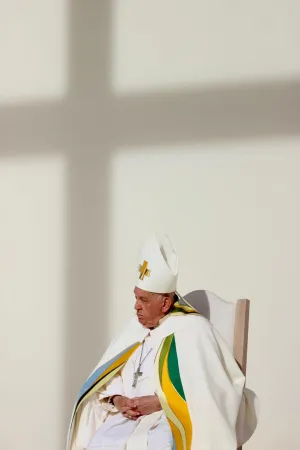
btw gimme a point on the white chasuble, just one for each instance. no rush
(196, 378)
(117, 431)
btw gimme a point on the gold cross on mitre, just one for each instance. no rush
(143, 270)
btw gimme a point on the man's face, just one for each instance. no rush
(150, 308)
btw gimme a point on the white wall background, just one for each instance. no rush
(120, 118)
(163, 45)
(233, 211)
(32, 287)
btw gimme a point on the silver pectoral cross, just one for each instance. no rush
(136, 375)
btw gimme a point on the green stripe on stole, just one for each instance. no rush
(172, 396)
(174, 373)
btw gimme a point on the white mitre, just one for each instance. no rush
(158, 265)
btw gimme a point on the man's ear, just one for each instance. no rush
(167, 303)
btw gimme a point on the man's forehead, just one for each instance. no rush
(140, 292)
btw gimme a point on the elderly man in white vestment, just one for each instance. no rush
(168, 381)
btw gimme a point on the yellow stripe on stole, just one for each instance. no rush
(123, 359)
(187, 308)
(175, 404)
(178, 406)
(172, 419)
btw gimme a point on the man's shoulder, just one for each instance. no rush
(195, 323)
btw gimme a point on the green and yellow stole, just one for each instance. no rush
(171, 392)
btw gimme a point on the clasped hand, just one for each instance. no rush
(133, 408)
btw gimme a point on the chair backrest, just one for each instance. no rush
(230, 319)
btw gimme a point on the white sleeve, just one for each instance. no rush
(113, 387)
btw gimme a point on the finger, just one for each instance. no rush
(131, 403)
(144, 410)
(128, 410)
(134, 412)
(124, 409)
(135, 402)
(131, 418)
(133, 415)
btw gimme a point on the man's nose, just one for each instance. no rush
(137, 305)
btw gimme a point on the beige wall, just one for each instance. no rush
(120, 118)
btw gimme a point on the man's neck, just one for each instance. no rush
(159, 321)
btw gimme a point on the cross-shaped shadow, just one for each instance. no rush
(89, 123)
